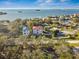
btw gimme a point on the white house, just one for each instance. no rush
(26, 31)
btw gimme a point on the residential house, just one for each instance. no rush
(37, 30)
(54, 18)
(25, 31)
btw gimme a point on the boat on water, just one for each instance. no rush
(19, 11)
(3, 13)
(37, 10)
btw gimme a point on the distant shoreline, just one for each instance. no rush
(13, 14)
(38, 8)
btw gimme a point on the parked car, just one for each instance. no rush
(58, 33)
(47, 34)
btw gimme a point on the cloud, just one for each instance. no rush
(39, 3)
(64, 1)
(52, 2)
(48, 1)
(7, 3)
(44, 2)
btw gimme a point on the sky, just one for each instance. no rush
(40, 4)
